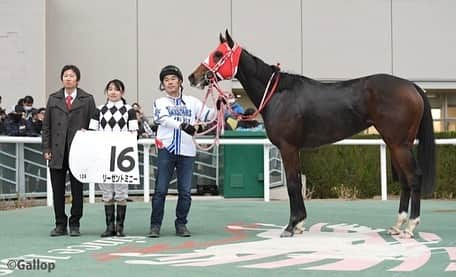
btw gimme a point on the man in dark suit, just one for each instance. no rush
(67, 111)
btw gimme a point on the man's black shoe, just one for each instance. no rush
(59, 231)
(74, 232)
(154, 232)
(182, 231)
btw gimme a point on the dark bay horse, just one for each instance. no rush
(305, 113)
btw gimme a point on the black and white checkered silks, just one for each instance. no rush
(114, 117)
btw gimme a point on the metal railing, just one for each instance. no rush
(272, 165)
(23, 171)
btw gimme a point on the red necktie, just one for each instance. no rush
(68, 102)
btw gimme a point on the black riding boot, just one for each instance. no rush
(121, 209)
(109, 213)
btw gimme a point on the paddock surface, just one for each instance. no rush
(235, 237)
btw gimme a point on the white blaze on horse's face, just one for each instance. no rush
(221, 64)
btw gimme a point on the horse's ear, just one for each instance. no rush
(229, 39)
(222, 39)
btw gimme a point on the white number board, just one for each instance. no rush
(105, 157)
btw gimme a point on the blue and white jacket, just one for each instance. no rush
(170, 113)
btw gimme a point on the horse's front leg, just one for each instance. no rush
(290, 157)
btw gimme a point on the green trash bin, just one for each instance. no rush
(243, 166)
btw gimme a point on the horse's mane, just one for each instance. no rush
(263, 69)
(290, 80)
(260, 69)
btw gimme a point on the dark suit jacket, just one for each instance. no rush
(60, 125)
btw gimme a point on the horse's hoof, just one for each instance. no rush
(406, 235)
(393, 231)
(286, 234)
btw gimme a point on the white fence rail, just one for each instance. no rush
(147, 143)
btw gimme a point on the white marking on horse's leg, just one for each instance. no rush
(408, 231)
(299, 228)
(396, 229)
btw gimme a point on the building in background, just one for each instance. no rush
(323, 39)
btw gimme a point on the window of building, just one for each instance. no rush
(451, 112)
(435, 99)
(443, 104)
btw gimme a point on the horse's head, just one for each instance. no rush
(221, 64)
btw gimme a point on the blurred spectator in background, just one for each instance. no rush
(136, 106)
(2, 119)
(145, 129)
(232, 111)
(28, 107)
(37, 119)
(2, 122)
(20, 102)
(17, 125)
(235, 107)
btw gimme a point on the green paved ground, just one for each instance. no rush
(240, 238)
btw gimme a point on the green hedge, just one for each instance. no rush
(349, 171)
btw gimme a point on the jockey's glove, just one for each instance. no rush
(188, 128)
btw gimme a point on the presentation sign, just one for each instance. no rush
(105, 157)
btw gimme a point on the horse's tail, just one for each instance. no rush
(426, 147)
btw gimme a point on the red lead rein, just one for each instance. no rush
(220, 117)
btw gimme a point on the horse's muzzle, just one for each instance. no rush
(191, 79)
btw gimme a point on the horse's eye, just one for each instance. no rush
(209, 75)
(218, 55)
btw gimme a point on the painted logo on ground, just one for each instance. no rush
(341, 247)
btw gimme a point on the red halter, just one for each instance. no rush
(226, 67)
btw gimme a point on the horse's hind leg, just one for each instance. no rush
(415, 204)
(404, 198)
(290, 157)
(410, 189)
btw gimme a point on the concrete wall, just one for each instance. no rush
(169, 36)
(346, 39)
(97, 36)
(323, 39)
(424, 39)
(22, 51)
(270, 30)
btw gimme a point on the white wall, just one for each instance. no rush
(346, 39)
(170, 34)
(97, 36)
(424, 39)
(270, 30)
(22, 51)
